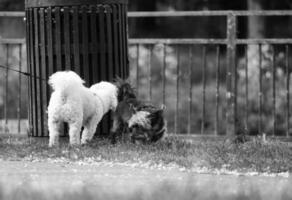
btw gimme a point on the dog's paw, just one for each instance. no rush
(85, 142)
(53, 145)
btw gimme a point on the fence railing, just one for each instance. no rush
(208, 85)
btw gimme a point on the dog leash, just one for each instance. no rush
(23, 73)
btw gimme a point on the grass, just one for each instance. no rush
(255, 155)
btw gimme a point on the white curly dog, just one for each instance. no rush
(77, 105)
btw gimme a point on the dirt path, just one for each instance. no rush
(103, 175)
(122, 180)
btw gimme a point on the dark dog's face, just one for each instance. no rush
(155, 132)
(128, 106)
(139, 134)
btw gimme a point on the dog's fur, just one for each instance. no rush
(147, 125)
(77, 105)
(141, 120)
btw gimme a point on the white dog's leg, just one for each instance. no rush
(89, 130)
(54, 128)
(74, 132)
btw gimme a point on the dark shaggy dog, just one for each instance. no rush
(152, 129)
(136, 119)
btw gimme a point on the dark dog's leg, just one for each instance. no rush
(124, 131)
(119, 129)
(114, 129)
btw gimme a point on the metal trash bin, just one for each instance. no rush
(88, 37)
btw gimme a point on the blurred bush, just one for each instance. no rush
(152, 57)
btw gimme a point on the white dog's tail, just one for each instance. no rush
(64, 80)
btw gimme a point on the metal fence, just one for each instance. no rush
(13, 87)
(233, 95)
(13, 82)
(209, 86)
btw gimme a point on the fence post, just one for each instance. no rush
(231, 85)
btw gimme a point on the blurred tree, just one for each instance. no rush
(14, 28)
(255, 24)
(11, 5)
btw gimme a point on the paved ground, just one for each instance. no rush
(58, 178)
